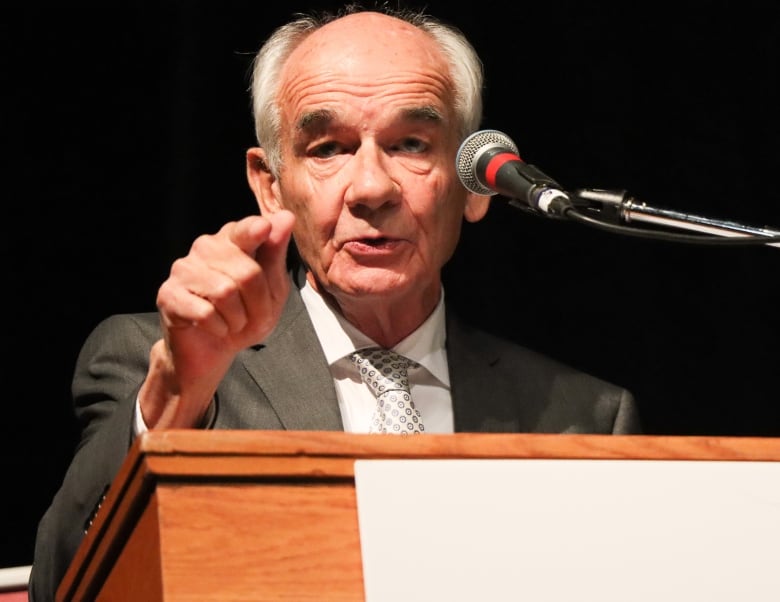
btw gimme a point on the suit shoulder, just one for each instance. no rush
(130, 331)
(510, 357)
(146, 323)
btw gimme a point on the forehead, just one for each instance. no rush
(365, 61)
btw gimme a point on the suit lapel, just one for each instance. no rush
(479, 401)
(291, 370)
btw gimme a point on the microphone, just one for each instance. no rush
(488, 163)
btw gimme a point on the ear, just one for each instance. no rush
(476, 206)
(262, 182)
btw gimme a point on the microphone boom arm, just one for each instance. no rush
(618, 206)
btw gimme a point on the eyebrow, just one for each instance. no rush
(314, 122)
(423, 113)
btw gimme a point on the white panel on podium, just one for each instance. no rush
(565, 530)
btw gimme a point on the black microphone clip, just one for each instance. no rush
(539, 193)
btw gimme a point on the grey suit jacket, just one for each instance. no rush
(496, 385)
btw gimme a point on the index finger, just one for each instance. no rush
(249, 233)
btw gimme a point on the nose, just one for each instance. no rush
(371, 182)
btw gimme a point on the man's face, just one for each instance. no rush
(368, 147)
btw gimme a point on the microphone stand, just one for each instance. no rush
(617, 206)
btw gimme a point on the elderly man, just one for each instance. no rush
(359, 117)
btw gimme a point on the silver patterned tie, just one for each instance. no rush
(385, 373)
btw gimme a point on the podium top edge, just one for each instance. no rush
(457, 445)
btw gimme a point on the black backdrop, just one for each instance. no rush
(124, 129)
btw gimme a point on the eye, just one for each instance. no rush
(326, 150)
(412, 145)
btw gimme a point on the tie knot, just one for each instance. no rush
(383, 370)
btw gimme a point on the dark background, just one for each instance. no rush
(124, 127)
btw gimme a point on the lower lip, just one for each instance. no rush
(386, 247)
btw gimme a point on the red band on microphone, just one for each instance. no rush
(497, 163)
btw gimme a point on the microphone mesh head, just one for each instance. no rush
(470, 151)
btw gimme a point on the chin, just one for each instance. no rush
(379, 282)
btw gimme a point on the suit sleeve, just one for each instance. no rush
(108, 374)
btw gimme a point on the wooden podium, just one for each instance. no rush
(272, 515)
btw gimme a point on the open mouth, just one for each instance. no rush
(363, 245)
(375, 242)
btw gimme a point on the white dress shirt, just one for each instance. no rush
(429, 383)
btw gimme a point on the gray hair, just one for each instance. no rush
(466, 70)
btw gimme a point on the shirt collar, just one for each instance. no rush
(339, 338)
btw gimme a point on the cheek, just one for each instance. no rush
(315, 207)
(448, 240)
(444, 220)
(314, 230)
